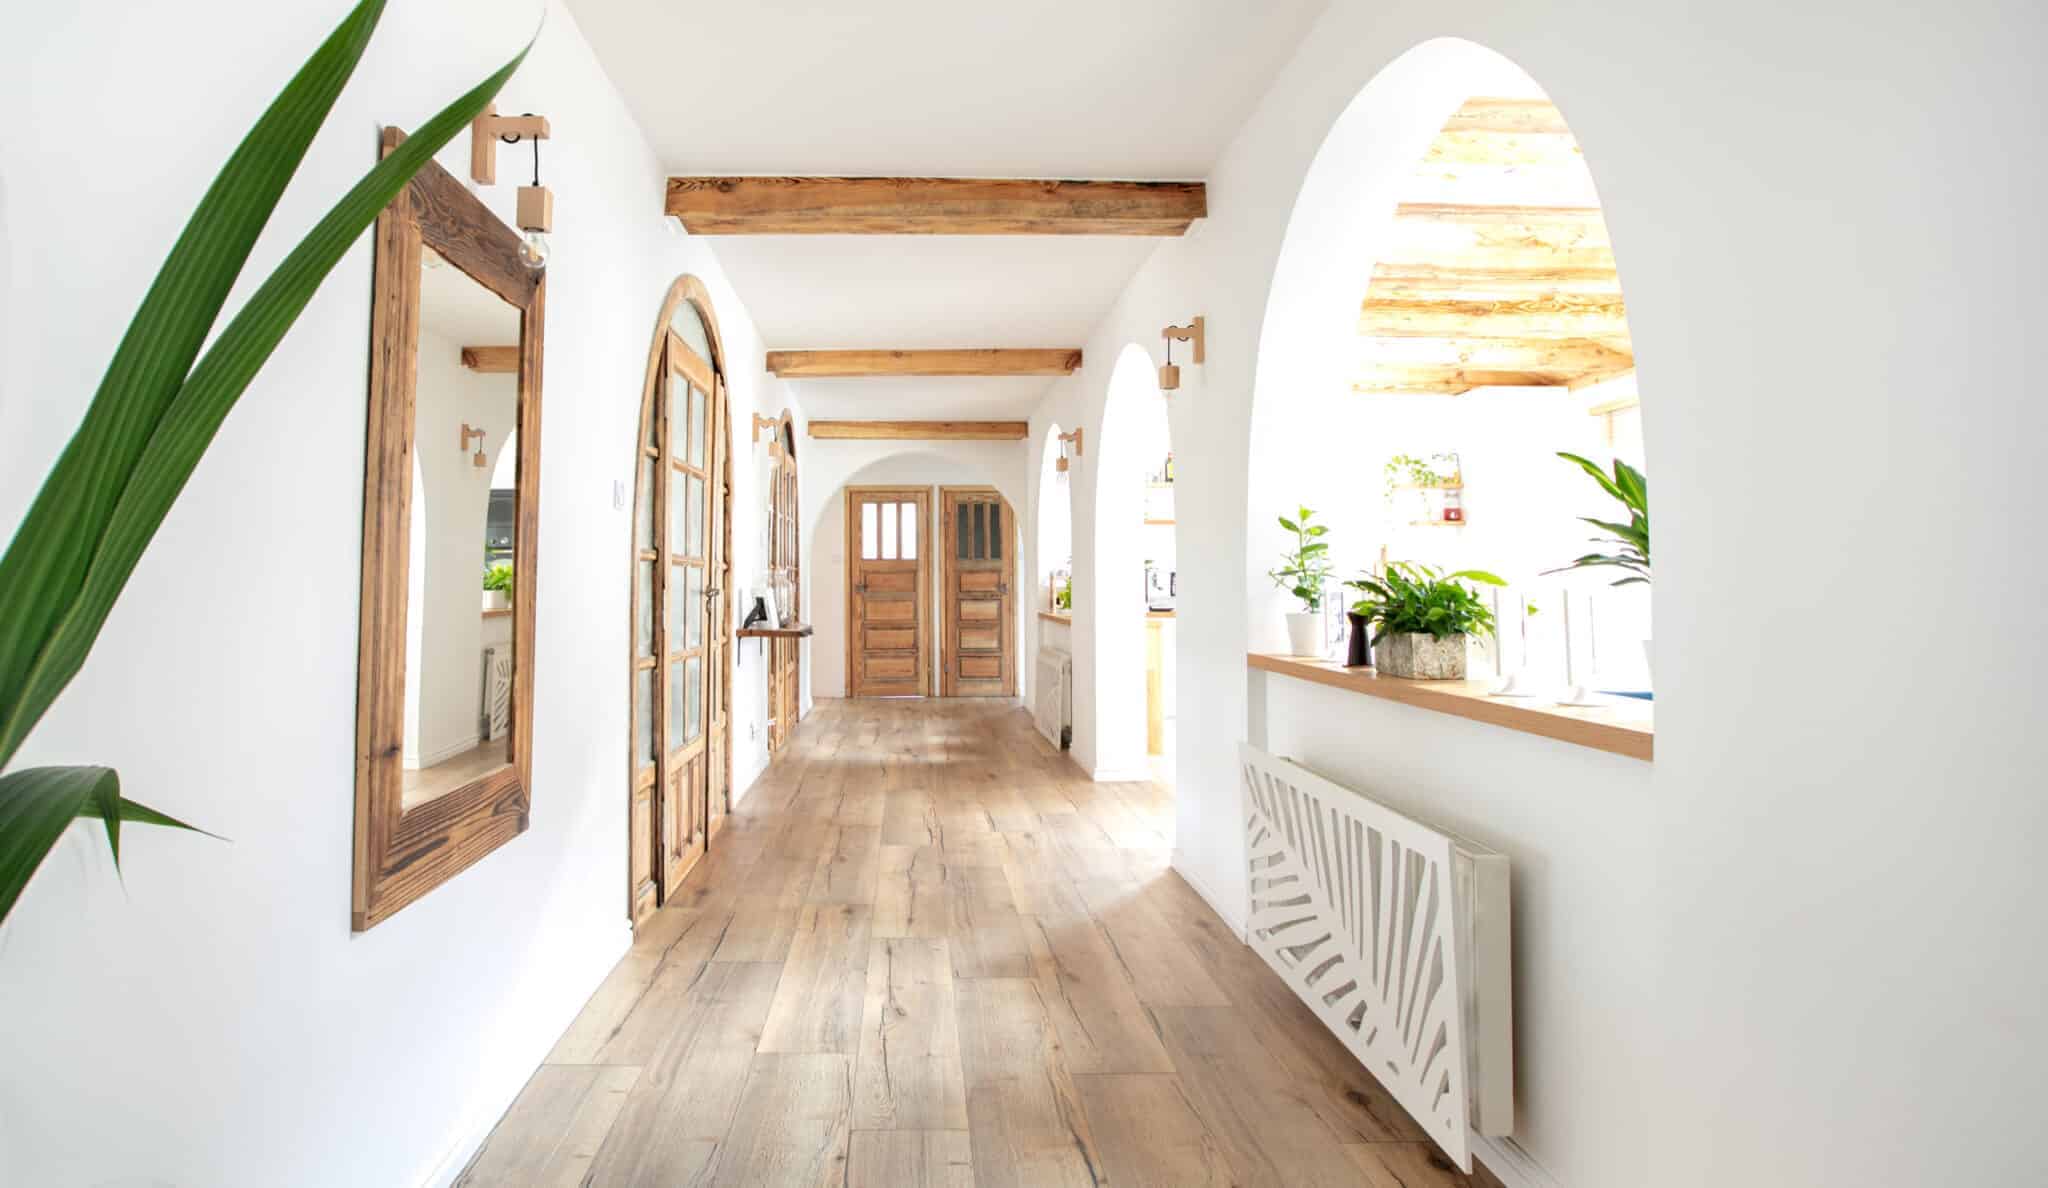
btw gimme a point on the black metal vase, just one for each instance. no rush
(1360, 655)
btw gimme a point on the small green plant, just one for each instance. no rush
(499, 577)
(1632, 491)
(1415, 472)
(1411, 599)
(1305, 568)
(1064, 600)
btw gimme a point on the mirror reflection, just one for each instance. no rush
(458, 663)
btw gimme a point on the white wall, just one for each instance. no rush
(1824, 234)
(212, 998)
(830, 466)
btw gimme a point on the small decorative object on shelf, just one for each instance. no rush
(1360, 652)
(498, 587)
(1423, 618)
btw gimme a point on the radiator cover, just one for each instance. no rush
(1396, 935)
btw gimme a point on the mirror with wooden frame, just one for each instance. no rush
(444, 701)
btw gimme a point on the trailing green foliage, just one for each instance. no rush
(1412, 599)
(499, 577)
(1632, 490)
(1305, 568)
(154, 416)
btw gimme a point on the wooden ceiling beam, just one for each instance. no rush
(1565, 356)
(491, 359)
(932, 206)
(920, 430)
(992, 361)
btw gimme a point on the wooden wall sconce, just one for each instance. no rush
(1061, 463)
(463, 445)
(536, 212)
(774, 427)
(1169, 375)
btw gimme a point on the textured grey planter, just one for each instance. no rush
(1422, 657)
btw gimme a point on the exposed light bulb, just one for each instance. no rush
(534, 250)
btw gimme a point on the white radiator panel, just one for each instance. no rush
(1052, 695)
(497, 692)
(1396, 935)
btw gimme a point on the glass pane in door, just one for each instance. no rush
(995, 531)
(693, 535)
(643, 717)
(677, 608)
(910, 531)
(676, 737)
(867, 532)
(889, 518)
(693, 693)
(696, 454)
(643, 594)
(693, 599)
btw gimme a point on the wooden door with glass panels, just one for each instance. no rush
(888, 587)
(977, 609)
(679, 651)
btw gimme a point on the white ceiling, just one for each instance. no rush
(1128, 89)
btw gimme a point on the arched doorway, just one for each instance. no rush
(1135, 558)
(680, 762)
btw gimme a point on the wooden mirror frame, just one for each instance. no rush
(401, 855)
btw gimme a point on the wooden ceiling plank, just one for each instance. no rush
(1555, 316)
(920, 430)
(932, 206)
(992, 361)
(491, 359)
(1499, 114)
(1567, 356)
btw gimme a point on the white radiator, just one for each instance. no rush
(1396, 935)
(1052, 696)
(497, 692)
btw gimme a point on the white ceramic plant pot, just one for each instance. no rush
(1305, 633)
(1421, 656)
(497, 600)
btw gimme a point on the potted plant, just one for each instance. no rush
(498, 587)
(1423, 618)
(1303, 570)
(1630, 541)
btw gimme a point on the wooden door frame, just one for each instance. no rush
(785, 461)
(949, 678)
(924, 574)
(686, 288)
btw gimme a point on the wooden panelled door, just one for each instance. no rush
(681, 654)
(888, 599)
(977, 616)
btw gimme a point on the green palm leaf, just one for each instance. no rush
(153, 418)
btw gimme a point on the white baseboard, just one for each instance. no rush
(1232, 913)
(470, 1136)
(449, 752)
(1506, 1159)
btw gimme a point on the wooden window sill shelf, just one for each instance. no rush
(1623, 729)
(786, 631)
(1057, 616)
(497, 612)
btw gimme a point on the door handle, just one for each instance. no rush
(711, 592)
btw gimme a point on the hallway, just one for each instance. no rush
(926, 951)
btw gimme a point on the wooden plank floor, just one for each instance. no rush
(926, 950)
